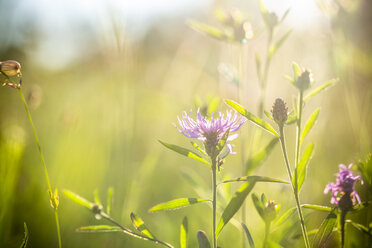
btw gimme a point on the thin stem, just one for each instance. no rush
(298, 205)
(342, 224)
(42, 161)
(214, 202)
(267, 232)
(298, 136)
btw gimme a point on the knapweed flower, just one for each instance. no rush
(343, 190)
(210, 131)
(280, 112)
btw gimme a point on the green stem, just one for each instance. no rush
(298, 205)
(267, 232)
(214, 202)
(42, 160)
(342, 224)
(298, 136)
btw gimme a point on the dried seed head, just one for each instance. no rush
(304, 80)
(280, 112)
(10, 68)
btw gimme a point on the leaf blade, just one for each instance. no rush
(26, 237)
(140, 226)
(321, 88)
(203, 240)
(208, 30)
(256, 179)
(183, 233)
(78, 199)
(176, 204)
(302, 168)
(248, 234)
(258, 158)
(325, 229)
(310, 123)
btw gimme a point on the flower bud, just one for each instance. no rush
(97, 209)
(304, 80)
(272, 19)
(270, 211)
(280, 112)
(10, 68)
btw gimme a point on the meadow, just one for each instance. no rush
(135, 127)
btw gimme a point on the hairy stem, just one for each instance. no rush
(298, 205)
(42, 161)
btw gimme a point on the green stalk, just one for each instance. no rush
(342, 224)
(42, 161)
(299, 108)
(214, 202)
(298, 205)
(267, 232)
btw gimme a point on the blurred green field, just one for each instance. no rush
(100, 116)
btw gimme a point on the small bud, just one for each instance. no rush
(97, 209)
(270, 211)
(280, 112)
(304, 80)
(10, 68)
(272, 19)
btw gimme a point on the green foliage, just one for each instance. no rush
(248, 235)
(25, 239)
(321, 88)
(259, 122)
(325, 229)
(310, 123)
(184, 233)
(140, 226)
(176, 204)
(317, 207)
(110, 193)
(258, 158)
(365, 169)
(208, 30)
(185, 152)
(78, 199)
(203, 240)
(300, 172)
(255, 179)
(274, 48)
(99, 228)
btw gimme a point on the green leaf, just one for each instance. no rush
(183, 233)
(272, 244)
(285, 216)
(292, 117)
(296, 70)
(185, 152)
(249, 236)
(258, 158)
(221, 144)
(208, 30)
(198, 148)
(261, 123)
(110, 193)
(360, 227)
(258, 205)
(176, 204)
(203, 240)
(234, 204)
(325, 229)
(317, 207)
(96, 198)
(255, 179)
(309, 233)
(99, 228)
(279, 43)
(289, 78)
(310, 123)
(78, 199)
(300, 173)
(284, 16)
(365, 168)
(321, 88)
(26, 237)
(140, 226)
(268, 115)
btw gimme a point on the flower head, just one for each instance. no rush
(344, 187)
(280, 112)
(210, 131)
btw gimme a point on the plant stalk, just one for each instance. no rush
(267, 232)
(298, 205)
(342, 224)
(299, 120)
(214, 202)
(42, 161)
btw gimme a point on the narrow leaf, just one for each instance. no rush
(203, 240)
(296, 70)
(272, 244)
(289, 78)
(284, 16)
(222, 142)
(279, 43)
(99, 228)
(185, 152)
(110, 193)
(198, 148)
(208, 30)
(284, 217)
(321, 88)
(235, 204)
(176, 204)
(78, 199)
(258, 158)
(96, 198)
(255, 179)
(268, 115)
(258, 205)
(261, 123)
(249, 236)
(183, 233)
(310, 123)
(317, 207)
(140, 226)
(26, 237)
(325, 229)
(309, 233)
(361, 228)
(302, 166)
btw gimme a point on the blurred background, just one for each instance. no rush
(106, 79)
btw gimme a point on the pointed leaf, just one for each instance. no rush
(310, 123)
(183, 233)
(268, 115)
(235, 204)
(184, 152)
(279, 43)
(289, 78)
(78, 199)
(325, 229)
(317, 207)
(249, 236)
(99, 228)
(110, 193)
(96, 198)
(176, 204)
(309, 233)
(255, 179)
(198, 148)
(322, 87)
(203, 240)
(261, 123)
(25, 239)
(258, 205)
(208, 30)
(302, 166)
(361, 228)
(285, 216)
(222, 142)
(296, 70)
(284, 16)
(258, 158)
(140, 225)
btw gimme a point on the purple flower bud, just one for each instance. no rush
(280, 112)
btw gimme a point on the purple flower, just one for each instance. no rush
(344, 185)
(210, 131)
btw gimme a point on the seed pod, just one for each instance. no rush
(280, 112)
(10, 68)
